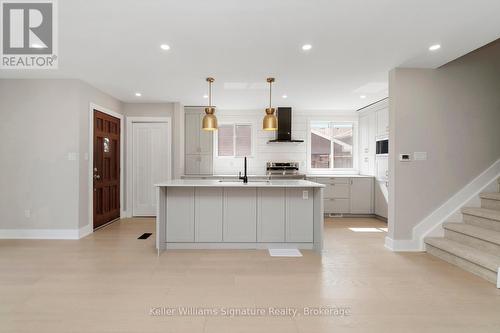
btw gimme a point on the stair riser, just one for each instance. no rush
(474, 242)
(462, 263)
(490, 204)
(482, 222)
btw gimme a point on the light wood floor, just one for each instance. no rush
(109, 281)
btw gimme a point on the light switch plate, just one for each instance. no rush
(420, 156)
(305, 195)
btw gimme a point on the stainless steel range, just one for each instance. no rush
(284, 170)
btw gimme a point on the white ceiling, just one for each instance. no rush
(115, 46)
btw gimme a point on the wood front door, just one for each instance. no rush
(106, 168)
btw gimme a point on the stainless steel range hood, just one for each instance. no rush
(284, 132)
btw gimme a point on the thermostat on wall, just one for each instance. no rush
(405, 157)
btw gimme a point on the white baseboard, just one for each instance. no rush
(402, 245)
(85, 231)
(241, 246)
(452, 206)
(39, 233)
(46, 233)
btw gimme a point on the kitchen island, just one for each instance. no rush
(226, 214)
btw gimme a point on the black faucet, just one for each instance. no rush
(245, 177)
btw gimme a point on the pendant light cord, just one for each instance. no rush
(270, 93)
(209, 94)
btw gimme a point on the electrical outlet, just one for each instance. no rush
(27, 213)
(305, 195)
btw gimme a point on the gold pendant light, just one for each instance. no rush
(209, 120)
(270, 122)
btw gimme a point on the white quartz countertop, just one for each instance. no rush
(338, 176)
(265, 176)
(225, 183)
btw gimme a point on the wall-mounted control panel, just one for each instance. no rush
(405, 157)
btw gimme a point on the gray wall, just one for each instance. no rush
(453, 114)
(44, 123)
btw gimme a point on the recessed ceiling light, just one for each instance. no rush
(362, 96)
(165, 47)
(306, 47)
(205, 96)
(138, 94)
(284, 96)
(434, 47)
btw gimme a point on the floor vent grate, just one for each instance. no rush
(145, 235)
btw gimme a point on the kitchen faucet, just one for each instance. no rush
(245, 177)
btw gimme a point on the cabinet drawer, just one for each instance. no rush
(340, 191)
(336, 206)
(333, 180)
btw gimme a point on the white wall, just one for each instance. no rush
(264, 151)
(453, 114)
(43, 147)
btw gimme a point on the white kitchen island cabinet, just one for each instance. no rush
(213, 214)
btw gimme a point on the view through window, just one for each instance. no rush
(331, 145)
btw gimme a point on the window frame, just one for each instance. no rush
(354, 169)
(234, 124)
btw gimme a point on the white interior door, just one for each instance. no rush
(151, 164)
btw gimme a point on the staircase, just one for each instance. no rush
(475, 244)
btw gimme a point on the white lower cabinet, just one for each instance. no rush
(336, 206)
(240, 215)
(361, 196)
(270, 215)
(208, 203)
(381, 199)
(347, 195)
(299, 215)
(180, 214)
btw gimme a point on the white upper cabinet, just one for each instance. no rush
(383, 122)
(193, 129)
(198, 145)
(367, 131)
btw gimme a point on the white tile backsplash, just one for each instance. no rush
(264, 151)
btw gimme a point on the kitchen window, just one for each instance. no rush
(234, 140)
(332, 145)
